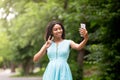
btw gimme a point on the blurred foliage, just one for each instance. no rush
(23, 24)
(104, 37)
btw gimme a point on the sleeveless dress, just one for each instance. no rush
(58, 68)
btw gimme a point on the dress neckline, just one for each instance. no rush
(58, 42)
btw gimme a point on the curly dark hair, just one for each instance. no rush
(50, 27)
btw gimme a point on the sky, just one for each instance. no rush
(10, 16)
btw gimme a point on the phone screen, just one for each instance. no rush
(82, 25)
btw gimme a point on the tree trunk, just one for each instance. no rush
(27, 67)
(65, 4)
(80, 62)
(12, 67)
(80, 57)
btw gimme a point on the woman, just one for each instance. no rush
(58, 49)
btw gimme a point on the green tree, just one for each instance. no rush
(104, 36)
(27, 28)
(23, 35)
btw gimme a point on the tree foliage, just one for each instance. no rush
(22, 34)
(107, 15)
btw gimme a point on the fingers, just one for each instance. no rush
(49, 37)
(82, 31)
(52, 38)
(48, 42)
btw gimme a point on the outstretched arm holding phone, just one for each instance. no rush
(83, 32)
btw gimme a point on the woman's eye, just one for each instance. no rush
(60, 28)
(55, 29)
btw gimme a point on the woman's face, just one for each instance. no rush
(57, 31)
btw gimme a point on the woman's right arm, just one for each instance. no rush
(43, 50)
(39, 54)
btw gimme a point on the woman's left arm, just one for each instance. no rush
(79, 46)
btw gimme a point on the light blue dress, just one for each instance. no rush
(58, 68)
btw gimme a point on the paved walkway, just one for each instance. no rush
(5, 75)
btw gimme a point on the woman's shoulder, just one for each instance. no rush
(67, 40)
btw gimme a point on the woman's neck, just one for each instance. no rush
(57, 40)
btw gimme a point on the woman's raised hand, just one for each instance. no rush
(83, 32)
(48, 42)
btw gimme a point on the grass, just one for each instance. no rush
(91, 72)
(36, 73)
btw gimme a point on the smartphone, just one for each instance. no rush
(83, 26)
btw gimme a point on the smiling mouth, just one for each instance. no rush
(59, 33)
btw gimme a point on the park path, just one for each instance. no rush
(5, 75)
